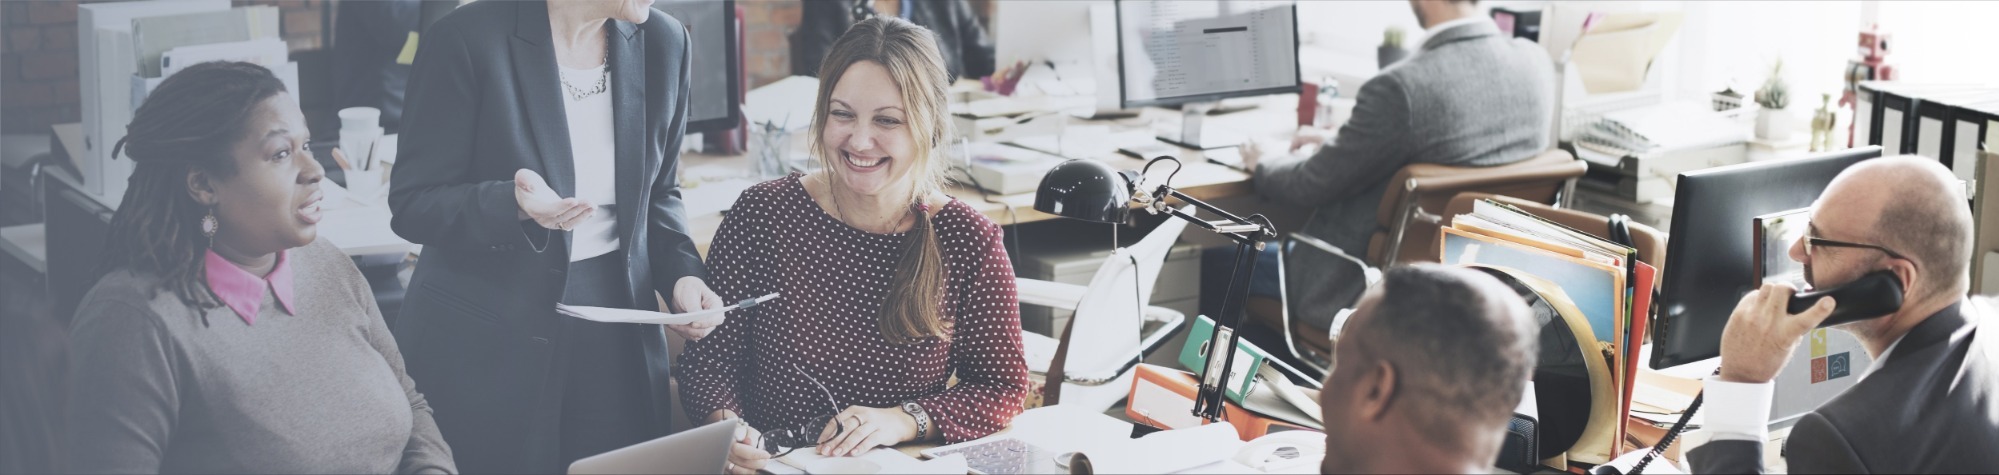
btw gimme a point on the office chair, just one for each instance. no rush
(1406, 227)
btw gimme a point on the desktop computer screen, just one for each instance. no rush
(1175, 52)
(716, 91)
(1710, 257)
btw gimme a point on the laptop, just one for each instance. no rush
(703, 449)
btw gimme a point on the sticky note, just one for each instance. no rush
(409, 50)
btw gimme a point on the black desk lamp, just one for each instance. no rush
(1091, 191)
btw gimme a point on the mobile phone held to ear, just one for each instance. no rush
(1873, 295)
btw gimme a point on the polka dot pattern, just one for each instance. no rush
(834, 278)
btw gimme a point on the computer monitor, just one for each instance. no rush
(1052, 31)
(1195, 53)
(715, 95)
(1709, 259)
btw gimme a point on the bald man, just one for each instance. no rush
(1427, 372)
(1931, 402)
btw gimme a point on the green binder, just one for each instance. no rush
(1248, 358)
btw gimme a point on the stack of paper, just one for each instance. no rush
(1604, 280)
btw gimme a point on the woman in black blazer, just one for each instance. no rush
(522, 199)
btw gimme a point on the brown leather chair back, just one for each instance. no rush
(1407, 221)
(1650, 242)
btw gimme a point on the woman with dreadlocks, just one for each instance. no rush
(226, 336)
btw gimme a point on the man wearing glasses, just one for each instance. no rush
(1931, 401)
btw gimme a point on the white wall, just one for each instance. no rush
(1734, 42)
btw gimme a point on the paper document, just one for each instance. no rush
(877, 461)
(1615, 53)
(1161, 452)
(624, 315)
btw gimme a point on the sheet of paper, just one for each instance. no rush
(786, 103)
(623, 315)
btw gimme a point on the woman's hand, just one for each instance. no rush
(864, 428)
(744, 456)
(690, 294)
(538, 202)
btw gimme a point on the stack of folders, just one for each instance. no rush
(1604, 280)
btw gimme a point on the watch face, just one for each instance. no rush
(912, 407)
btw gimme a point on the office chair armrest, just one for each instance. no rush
(1428, 178)
(1042, 293)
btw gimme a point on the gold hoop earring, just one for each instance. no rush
(209, 225)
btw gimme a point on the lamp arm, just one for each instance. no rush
(1241, 230)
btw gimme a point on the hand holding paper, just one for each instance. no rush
(621, 315)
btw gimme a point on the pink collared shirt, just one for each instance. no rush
(243, 291)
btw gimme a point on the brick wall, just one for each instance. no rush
(770, 23)
(768, 52)
(38, 57)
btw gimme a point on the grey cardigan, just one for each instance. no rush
(1469, 97)
(155, 389)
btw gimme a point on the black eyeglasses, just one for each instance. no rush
(782, 442)
(1816, 242)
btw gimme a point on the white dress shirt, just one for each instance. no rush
(1741, 411)
(1432, 31)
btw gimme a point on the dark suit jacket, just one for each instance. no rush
(479, 325)
(1931, 407)
(968, 52)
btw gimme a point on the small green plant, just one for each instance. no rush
(1392, 37)
(1775, 93)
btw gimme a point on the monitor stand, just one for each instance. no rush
(1191, 135)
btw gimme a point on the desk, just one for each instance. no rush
(1274, 117)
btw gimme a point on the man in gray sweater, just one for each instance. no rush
(1471, 96)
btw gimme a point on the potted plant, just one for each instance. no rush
(1390, 50)
(1773, 122)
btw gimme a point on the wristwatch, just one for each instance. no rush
(922, 418)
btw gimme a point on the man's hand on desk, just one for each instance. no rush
(1307, 139)
(863, 428)
(745, 458)
(691, 294)
(1761, 333)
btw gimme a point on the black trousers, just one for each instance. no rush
(605, 403)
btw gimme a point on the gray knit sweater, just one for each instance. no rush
(156, 386)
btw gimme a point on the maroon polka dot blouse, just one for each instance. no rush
(833, 278)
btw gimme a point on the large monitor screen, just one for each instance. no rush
(1177, 51)
(715, 90)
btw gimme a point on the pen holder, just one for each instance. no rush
(366, 186)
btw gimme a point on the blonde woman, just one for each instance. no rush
(890, 287)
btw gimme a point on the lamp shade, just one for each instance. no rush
(1087, 190)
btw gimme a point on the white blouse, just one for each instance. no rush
(592, 146)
